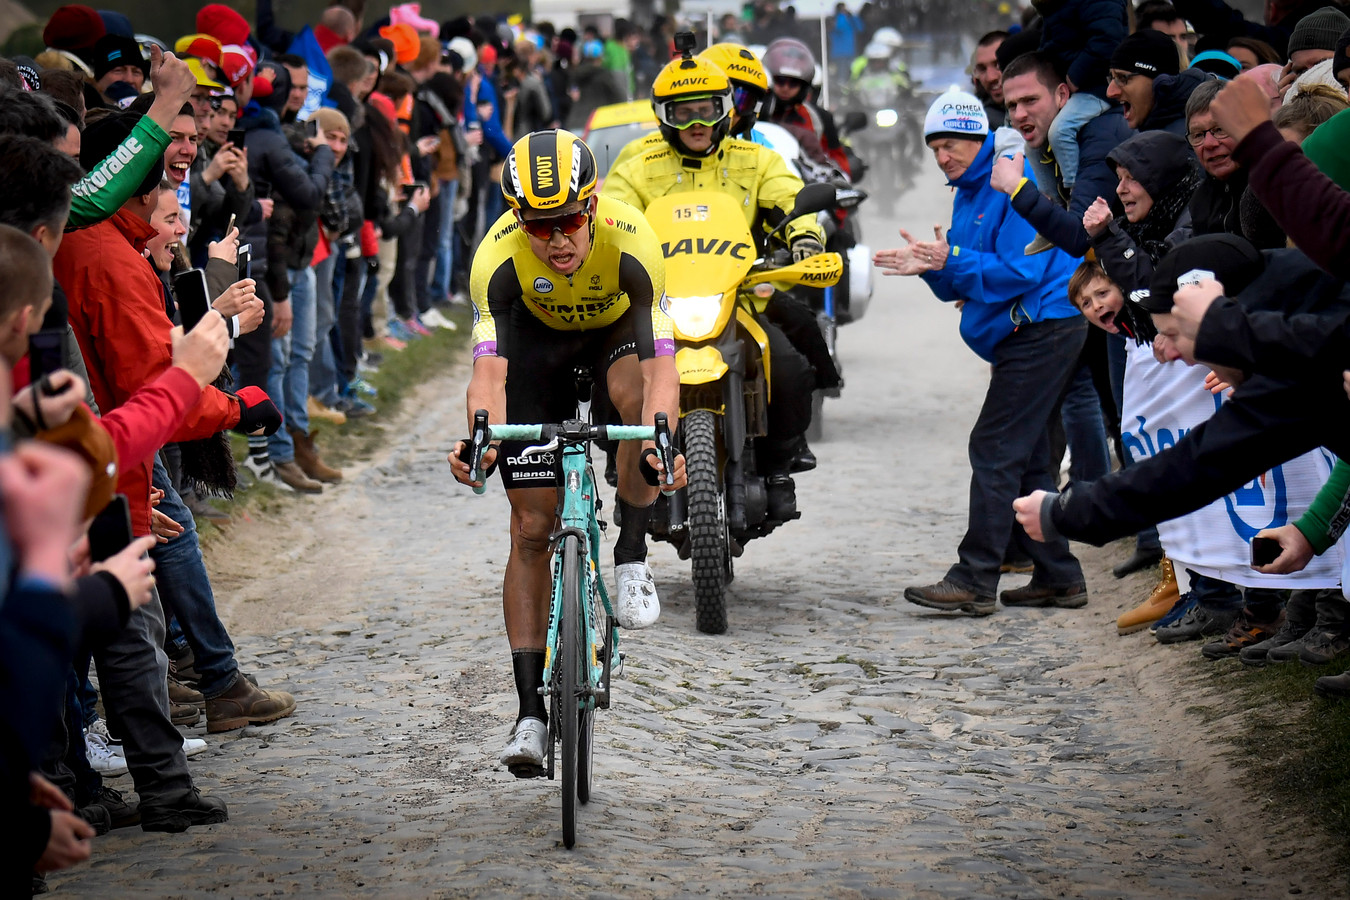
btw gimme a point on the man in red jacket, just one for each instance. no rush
(117, 311)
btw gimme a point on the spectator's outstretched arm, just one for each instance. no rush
(1216, 19)
(1310, 345)
(276, 39)
(110, 183)
(1264, 424)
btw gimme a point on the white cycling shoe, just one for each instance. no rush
(525, 751)
(637, 605)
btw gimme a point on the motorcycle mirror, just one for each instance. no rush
(854, 121)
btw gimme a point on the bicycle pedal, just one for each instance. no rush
(616, 668)
(526, 771)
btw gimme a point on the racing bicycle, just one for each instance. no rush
(581, 654)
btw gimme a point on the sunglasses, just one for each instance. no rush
(543, 229)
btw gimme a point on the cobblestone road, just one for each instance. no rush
(838, 742)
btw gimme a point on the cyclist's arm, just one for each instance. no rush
(487, 389)
(493, 289)
(645, 284)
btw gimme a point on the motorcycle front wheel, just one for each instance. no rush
(708, 537)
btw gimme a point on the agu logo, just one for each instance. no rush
(543, 285)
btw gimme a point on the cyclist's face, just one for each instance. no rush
(563, 253)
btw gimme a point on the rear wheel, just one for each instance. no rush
(569, 663)
(708, 539)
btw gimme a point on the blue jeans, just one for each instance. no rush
(1213, 594)
(445, 258)
(289, 377)
(1084, 432)
(323, 365)
(185, 588)
(1010, 455)
(1081, 109)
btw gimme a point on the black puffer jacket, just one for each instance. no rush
(1228, 207)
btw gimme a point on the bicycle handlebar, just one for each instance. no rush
(566, 432)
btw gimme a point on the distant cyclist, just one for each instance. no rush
(566, 279)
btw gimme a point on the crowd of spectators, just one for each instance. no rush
(1183, 173)
(223, 231)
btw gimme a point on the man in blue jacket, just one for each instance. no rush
(1017, 315)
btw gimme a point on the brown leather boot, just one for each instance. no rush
(246, 704)
(307, 456)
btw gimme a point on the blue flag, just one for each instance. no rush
(306, 46)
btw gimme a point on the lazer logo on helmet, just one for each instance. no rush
(709, 246)
(688, 82)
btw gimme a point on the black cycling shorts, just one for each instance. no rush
(541, 385)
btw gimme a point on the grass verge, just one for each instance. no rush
(399, 375)
(1292, 743)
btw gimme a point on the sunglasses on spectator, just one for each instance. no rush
(543, 229)
(1196, 138)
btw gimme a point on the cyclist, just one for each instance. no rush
(693, 101)
(566, 279)
(792, 68)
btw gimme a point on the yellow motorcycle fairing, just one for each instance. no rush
(821, 270)
(708, 250)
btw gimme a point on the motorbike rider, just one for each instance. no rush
(791, 67)
(692, 99)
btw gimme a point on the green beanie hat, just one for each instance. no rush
(1326, 148)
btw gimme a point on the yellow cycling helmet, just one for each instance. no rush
(749, 82)
(548, 169)
(691, 78)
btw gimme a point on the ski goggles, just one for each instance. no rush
(543, 229)
(681, 114)
(746, 100)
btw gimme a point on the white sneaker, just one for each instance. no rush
(193, 746)
(527, 744)
(104, 758)
(637, 606)
(432, 318)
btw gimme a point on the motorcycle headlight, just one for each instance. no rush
(886, 118)
(695, 317)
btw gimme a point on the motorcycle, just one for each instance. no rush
(715, 287)
(885, 127)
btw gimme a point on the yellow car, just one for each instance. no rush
(611, 127)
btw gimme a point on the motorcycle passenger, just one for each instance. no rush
(692, 99)
(749, 87)
(792, 67)
(565, 279)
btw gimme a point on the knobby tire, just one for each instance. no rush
(708, 548)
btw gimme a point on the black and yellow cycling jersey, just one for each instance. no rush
(624, 269)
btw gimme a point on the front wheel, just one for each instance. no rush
(568, 668)
(708, 538)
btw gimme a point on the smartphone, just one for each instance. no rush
(46, 353)
(236, 137)
(410, 189)
(230, 227)
(189, 289)
(312, 127)
(1265, 551)
(245, 261)
(110, 532)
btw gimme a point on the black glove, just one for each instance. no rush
(649, 473)
(256, 410)
(806, 246)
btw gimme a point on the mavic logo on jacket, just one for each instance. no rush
(705, 246)
(110, 167)
(688, 82)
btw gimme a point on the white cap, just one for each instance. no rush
(956, 114)
(464, 47)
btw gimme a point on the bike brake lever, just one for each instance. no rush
(543, 448)
(478, 444)
(666, 449)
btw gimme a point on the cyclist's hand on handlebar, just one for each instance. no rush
(460, 466)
